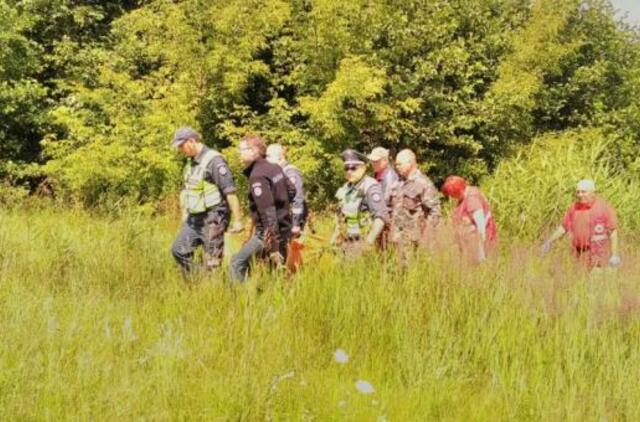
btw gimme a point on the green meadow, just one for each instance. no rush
(97, 324)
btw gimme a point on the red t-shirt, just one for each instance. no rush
(590, 226)
(473, 201)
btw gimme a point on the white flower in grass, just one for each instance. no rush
(53, 325)
(128, 331)
(341, 356)
(364, 387)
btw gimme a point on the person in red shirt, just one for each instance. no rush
(475, 227)
(593, 226)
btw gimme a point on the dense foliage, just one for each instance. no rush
(532, 190)
(92, 91)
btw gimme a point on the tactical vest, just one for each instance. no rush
(198, 194)
(354, 212)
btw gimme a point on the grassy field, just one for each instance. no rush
(97, 324)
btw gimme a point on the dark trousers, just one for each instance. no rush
(206, 229)
(254, 248)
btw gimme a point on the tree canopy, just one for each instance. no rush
(91, 92)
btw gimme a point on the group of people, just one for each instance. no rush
(396, 208)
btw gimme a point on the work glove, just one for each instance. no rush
(546, 247)
(276, 259)
(236, 227)
(615, 261)
(296, 232)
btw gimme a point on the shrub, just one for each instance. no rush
(531, 190)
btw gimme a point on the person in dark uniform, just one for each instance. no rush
(276, 154)
(207, 199)
(363, 211)
(270, 193)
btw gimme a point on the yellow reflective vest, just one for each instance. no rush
(199, 195)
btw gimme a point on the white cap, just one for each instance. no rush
(379, 153)
(586, 185)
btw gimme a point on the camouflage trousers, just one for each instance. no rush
(407, 235)
(353, 248)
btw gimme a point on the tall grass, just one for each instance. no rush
(531, 191)
(96, 323)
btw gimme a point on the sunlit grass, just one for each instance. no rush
(97, 323)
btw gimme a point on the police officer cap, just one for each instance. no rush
(183, 134)
(351, 156)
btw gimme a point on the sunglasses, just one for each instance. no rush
(350, 168)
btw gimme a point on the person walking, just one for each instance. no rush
(207, 199)
(363, 212)
(276, 154)
(593, 226)
(270, 193)
(415, 206)
(474, 225)
(384, 172)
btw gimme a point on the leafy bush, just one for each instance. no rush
(531, 191)
(11, 196)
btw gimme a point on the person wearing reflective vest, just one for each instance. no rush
(207, 198)
(363, 212)
(593, 226)
(474, 225)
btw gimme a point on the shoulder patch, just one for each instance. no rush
(257, 190)
(222, 170)
(376, 197)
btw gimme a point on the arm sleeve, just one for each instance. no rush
(376, 203)
(431, 202)
(262, 194)
(297, 205)
(612, 219)
(291, 189)
(567, 221)
(473, 204)
(219, 173)
(389, 181)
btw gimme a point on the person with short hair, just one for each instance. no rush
(363, 212)
(474, 225)
(384, 172)
(270, 193)
(207, 199)
(593, 226)
(277, 154)
(415, 206)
